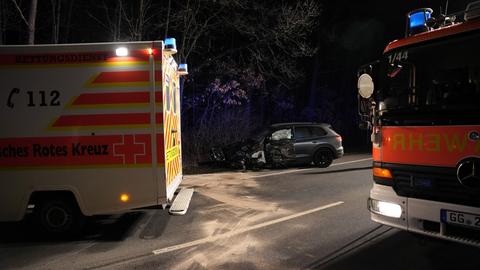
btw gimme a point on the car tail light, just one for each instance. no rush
(339, 138)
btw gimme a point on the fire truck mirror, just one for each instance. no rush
(365, 86)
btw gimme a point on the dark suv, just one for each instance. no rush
(283, 144)
(310, 142)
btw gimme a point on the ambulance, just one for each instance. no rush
(88, 129)
(422, 102)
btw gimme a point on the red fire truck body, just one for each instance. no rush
(422, 101)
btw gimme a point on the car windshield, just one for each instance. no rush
(445, 76)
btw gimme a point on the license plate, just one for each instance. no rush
(460, 218)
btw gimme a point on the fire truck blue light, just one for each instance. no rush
(419, 18)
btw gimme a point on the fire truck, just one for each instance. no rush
(89, 129)
(421, 101)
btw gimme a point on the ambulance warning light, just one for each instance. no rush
(182, 69)
(170, 46)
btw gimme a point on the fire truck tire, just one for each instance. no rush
(59, 217)
(323, 158)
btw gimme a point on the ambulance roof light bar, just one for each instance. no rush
(417, 21)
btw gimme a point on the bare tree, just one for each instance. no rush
(112, 21)
(31, 19)
(5, 14)
(56, 6)
(278, 40)
(270, 37)
(68, 21)
(234, 43)
(137, 18)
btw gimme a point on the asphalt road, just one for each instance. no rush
(299, 218)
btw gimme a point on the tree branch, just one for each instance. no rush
(20, 12)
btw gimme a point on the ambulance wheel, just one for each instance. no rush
(322, 158)
(59, 217)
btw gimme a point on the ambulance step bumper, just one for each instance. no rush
(182, 201)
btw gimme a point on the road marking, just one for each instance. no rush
(308, 169)
(244, 230)
(351, 161)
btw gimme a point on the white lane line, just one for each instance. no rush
(244, 230)
(351, 161)
(308, 169)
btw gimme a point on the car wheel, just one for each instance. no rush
(323, 158)
(59, 217)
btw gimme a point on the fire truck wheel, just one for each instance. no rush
(322, 158)
(59, 217)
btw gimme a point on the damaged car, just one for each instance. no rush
(284, 144)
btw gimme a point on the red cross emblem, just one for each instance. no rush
(129, 149)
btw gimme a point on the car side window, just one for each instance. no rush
(302, 133)
(318, 131)
(282, 134)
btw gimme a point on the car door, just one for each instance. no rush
(303, 143)
(280, 145)
(318, 139)
(308, 140)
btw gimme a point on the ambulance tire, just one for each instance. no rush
(323, 158)
(59, 217)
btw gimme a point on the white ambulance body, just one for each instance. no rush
(87, 129)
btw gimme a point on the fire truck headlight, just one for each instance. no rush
(385, 208)
(122, 51)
